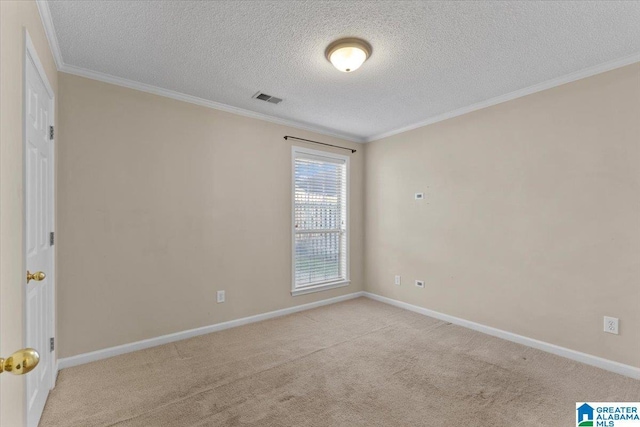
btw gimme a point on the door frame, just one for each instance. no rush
(30, 54)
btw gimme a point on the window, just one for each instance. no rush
(320, 213)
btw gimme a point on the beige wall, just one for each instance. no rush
(161, 204)
(14, 18)
(531, 222)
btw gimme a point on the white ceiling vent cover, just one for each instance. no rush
(268, 98)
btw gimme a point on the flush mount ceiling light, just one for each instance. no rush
(348, 55)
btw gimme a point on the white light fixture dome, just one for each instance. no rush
(348, 55)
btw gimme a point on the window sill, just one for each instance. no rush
(320, 287)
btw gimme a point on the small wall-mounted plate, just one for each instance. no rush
(419, 196)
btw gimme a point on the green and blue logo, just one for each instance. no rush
(585, 415)
(608, 414)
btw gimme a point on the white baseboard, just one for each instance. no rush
(81, 359)
(598, 362)
(55, 375)
(609, 365)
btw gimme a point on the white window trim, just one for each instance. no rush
(324, 285)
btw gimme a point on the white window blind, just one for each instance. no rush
(320, 255)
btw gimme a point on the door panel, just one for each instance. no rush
(38, 225)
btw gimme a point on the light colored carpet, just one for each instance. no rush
(356, 363)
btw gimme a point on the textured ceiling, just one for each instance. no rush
(428, 58)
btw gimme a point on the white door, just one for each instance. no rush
(38, 105)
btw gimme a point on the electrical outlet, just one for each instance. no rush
(220, 296)
(398, 280)
(611, 325)
(420, 283)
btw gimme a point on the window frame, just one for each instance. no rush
(323, 286)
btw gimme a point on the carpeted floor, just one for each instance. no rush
(356, 363)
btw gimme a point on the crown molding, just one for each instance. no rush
(49, 30)
(47, 22)
(568, 78)
(107, 78)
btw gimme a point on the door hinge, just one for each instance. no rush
(52, 343)
(52, 238)
(50, 132)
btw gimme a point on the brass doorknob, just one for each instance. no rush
(37, 276)
(20, 362)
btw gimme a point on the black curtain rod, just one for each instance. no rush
(321, 143)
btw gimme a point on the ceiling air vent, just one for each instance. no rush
(268, 98)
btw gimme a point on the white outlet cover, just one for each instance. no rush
(220, 296)
(398, 280)
(420, 283)
(611, 325)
